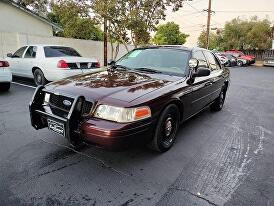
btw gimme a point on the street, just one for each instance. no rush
(223, 158)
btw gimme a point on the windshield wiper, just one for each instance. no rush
(148, 70)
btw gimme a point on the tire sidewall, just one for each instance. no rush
(158, 139)
(43, 79)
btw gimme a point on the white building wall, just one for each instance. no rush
(13, 19)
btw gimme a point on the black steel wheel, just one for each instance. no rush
(166, 129)
(39, 77)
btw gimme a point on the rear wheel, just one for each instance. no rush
(4, 86)
(219, 102)
(240, 63)
(166, 129)
(39, 77)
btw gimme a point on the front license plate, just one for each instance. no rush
(57, 127)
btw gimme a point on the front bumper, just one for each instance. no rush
(78, 128)
(269, 63)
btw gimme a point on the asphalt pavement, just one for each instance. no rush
(223, 158)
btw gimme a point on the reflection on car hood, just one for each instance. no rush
(121, 85)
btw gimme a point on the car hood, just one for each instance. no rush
(121, 85)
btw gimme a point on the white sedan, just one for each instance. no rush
(5, 76)
(46, 63)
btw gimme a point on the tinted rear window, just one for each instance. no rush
(54, 51)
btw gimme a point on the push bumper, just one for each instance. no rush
(110, 135)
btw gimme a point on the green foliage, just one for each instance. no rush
(131, 21)
(74, 18)
(169, 34)
(214, 40)
(242, 35)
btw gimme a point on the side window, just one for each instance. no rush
(213, 62)
(31, 52)
(19, 53)
(200, 57)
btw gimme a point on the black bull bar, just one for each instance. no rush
(72, 122)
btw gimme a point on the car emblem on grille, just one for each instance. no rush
(67, 102)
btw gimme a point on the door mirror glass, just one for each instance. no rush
(9, 55)
(193, 63)
(201, 72)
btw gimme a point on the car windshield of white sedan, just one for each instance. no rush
(158, 60)
(56, 51)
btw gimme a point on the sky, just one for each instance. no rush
(192, 20)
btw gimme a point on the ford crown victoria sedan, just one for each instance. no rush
(44, 63)
(143, 97)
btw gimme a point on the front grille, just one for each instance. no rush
(58, 107)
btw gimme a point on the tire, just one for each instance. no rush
(4, 87)
(240, 63)
(39, 77)
(218, 104)
(166, 129)
(228, 63)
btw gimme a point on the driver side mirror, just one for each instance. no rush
(111, 62)
(10, 55)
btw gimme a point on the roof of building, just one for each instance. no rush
(30, 12)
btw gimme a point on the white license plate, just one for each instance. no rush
(56, 127)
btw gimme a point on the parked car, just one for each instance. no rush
(249, 59)
(269, 61)
(222, 58)
(143, 96)
(46, 63)
(5, 76)
(232, 60)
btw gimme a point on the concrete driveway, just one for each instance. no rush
(224, 158)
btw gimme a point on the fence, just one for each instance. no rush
(10, 42)
(260, 54)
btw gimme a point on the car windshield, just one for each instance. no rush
(157, 60)
(57, 51)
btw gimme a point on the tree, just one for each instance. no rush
(38, 6)
(74, 18)
(131, 21)
(214, 40)
(169, 34)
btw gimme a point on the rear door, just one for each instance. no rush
(201, 87)
(215, 78)
(28, 61)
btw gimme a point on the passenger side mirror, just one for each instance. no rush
(201, 72)
(111, 62)
(10, 55)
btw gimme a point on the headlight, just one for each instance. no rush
(47, 97)
(122, 115)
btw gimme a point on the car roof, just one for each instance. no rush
(173, 47)
(46, 45)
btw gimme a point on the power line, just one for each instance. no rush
(244, 11)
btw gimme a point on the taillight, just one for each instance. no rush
(62, 64)
(97, 65)
(4, 64)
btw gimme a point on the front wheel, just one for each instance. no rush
(166, 129)
(219, 102)
(39, 77)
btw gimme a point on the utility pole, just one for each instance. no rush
(105, 42)
(208, 23)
